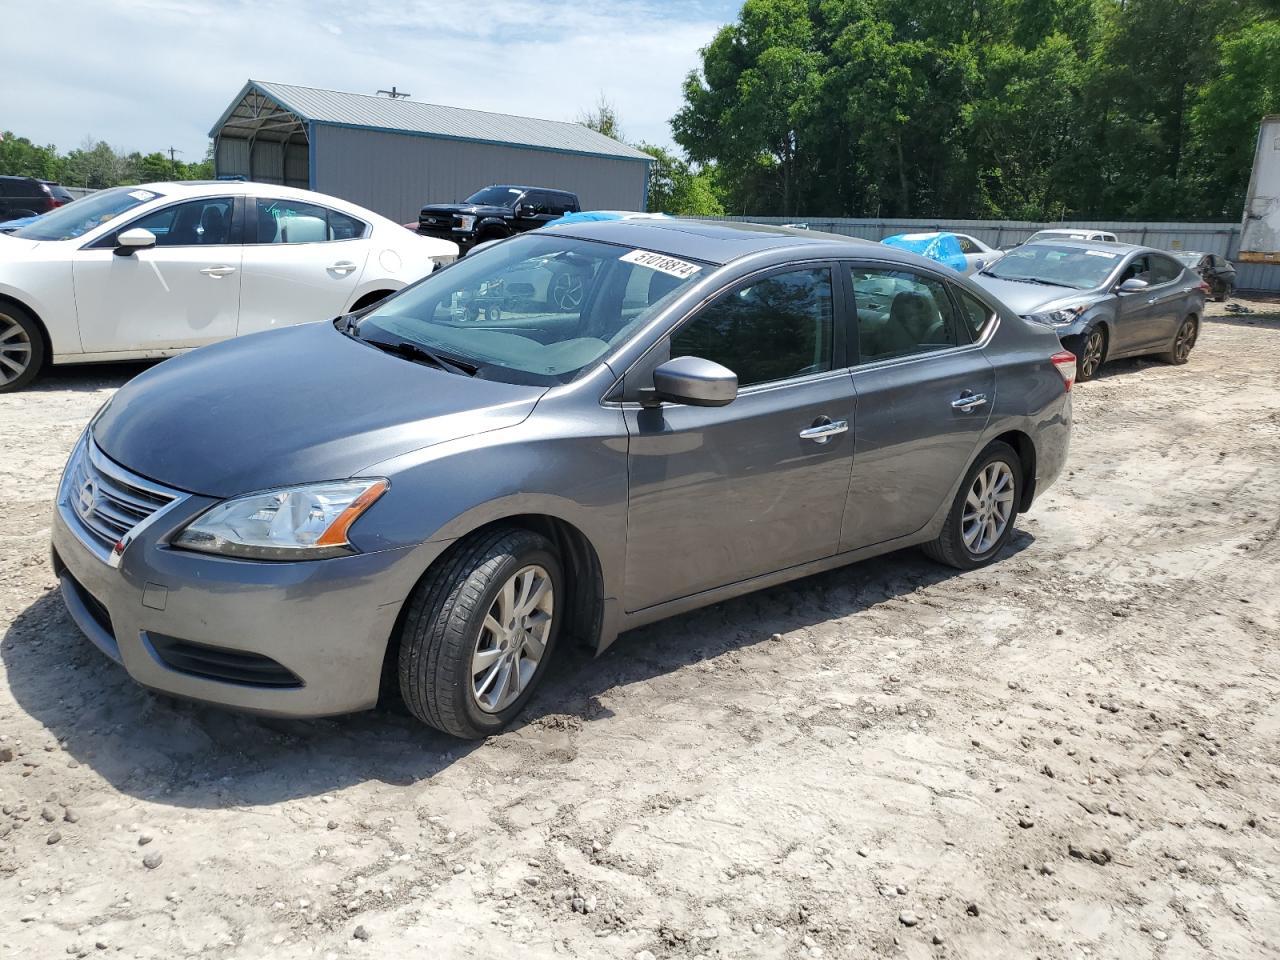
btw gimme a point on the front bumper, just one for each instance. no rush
(298, 639)
(465, 239)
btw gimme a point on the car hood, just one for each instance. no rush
(296, 405)
(1027, 298)
(467, 208)
(13, 248)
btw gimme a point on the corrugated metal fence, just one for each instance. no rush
(1219, 238)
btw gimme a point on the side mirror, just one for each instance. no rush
(693, 382)
(1132, 285)
(526, 210)
(132, 240)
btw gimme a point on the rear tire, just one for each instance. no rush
(452, 646)
(22, 352)
(982, 515)
(1183, 341)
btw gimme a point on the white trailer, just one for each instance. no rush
(1260, 231)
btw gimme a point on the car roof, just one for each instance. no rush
(1109, 246)
(716, 241)
(1074, 230)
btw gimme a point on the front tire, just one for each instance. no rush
(1183, 341)
(1090, 349)
(479, 632)
(21, 347)
(981, 518)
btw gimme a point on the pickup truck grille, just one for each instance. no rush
(435, 221)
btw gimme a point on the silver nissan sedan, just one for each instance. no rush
(430, 495)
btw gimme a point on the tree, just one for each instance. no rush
(755, 95)
(19, 157)
(676, 188)
(603, 118)
(1224, 119)
(1020, 108)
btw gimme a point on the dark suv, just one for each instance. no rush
(495, 212)
(28, 197)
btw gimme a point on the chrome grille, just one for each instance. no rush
(106, 502)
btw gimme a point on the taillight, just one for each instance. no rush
(1205, 288)
(1065, 363)
(56, 202)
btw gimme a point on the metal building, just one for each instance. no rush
(394, 155)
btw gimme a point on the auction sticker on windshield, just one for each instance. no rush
(1101, 253)
(662, 263)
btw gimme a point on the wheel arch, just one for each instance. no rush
(582, 568)
(369, 298)
(40, 324)
(1025, 448)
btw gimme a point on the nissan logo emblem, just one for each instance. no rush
(87, 499)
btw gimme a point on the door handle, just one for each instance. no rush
(968, 401)
(1153, 300)
(342, 266)
(222, 271)
(824, 430)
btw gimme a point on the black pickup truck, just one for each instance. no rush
(493, 213)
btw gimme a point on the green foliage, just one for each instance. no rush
(603, 118)
(95, 164)
(675, 187)
(1036, 109)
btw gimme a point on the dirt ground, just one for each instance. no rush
(1074, 753)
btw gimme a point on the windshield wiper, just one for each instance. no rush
(1037, 280)
(420, 354)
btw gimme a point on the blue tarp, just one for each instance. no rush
(593, 215)
(943, 247)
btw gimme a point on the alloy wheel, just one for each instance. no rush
(566, 291)
(1092, 358)
(988, 508)
(512, 639)
(1185, 340)
(15, 350)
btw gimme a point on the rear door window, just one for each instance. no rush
(291, 221)
(975, 314)
(900, 313)
(1164, 270)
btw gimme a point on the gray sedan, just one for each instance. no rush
(1105, 300)
(425, 500)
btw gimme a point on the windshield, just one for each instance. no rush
(496, 196)
(533, 309)
(81, 216)
(1076, 267)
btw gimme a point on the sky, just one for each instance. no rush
(150, 74)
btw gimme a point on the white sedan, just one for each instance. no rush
(977, 254)
(152, 271)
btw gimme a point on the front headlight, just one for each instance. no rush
(292, 523)
(466, 223)
(1058, 318)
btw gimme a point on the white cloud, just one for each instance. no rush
(148, 74)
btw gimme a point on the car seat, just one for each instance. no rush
(913, 322)
(303, 230)
(213, 226)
